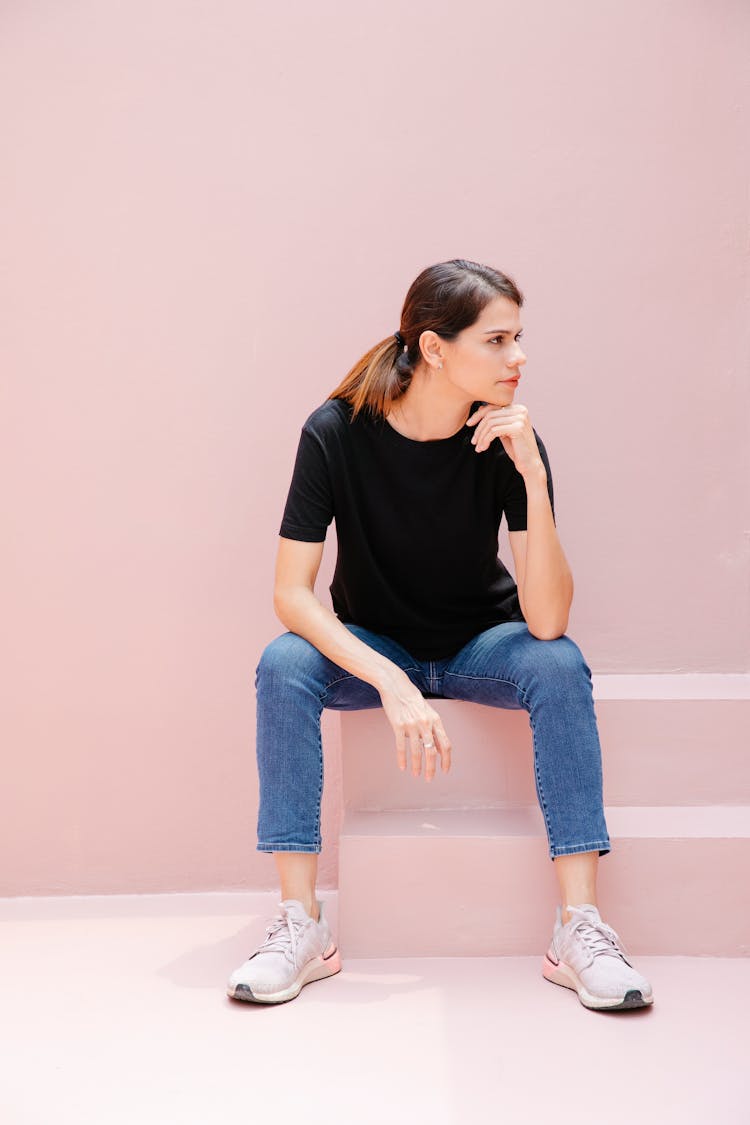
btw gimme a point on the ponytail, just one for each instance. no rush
(380, 377)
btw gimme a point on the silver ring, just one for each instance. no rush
(428, 745)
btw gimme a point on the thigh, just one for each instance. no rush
(292, 660)
(504, 664)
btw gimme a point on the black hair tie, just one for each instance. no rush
(399, 339)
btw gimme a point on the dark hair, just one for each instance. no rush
(445, 298)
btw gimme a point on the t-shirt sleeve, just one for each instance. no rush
(309, 503)
(514, 501)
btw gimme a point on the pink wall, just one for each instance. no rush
(209, 212)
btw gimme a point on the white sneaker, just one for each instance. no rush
(588, 956)
(296, 951)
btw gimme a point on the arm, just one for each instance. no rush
(297, 607)
(406, 709)
(543, 578)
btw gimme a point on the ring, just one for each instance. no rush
(428, 745)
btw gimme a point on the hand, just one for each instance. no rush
(513, 426)
(411, 717)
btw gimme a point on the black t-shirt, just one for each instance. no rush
(417, 526)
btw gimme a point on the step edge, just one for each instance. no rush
(690, 822)
(675, 686)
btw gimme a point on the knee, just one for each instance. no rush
(562, 656)
(284, 656)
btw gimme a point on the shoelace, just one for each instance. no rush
(281, 933)
(599, 937)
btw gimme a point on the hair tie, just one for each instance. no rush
(399, 339)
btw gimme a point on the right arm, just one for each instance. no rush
(298, 608)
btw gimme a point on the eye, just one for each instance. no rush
(501, 338)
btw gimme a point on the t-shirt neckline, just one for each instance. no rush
(433, 443)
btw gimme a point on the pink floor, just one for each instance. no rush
(114, 1012)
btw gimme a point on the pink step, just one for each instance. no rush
(479, 882)
(414, 856)
(680, 751)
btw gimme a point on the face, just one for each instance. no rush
(482, 358)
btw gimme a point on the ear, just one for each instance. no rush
(430, 345)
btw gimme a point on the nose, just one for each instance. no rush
(519, 359)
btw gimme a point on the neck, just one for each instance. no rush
(424, 414)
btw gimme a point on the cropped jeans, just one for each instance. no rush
(504, 666)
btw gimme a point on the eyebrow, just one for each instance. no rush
(500, 331)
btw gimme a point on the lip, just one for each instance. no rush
(514, 381)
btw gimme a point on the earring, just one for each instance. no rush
(440, 367)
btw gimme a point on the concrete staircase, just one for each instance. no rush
(459, 866)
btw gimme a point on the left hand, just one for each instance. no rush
(513, 426)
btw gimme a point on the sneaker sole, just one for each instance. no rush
(316, 969)
(566, 976)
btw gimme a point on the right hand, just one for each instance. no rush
(412, 718)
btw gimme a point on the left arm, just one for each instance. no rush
(543, 577)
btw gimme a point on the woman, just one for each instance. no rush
(417, 454)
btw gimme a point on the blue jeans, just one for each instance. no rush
(504, 666)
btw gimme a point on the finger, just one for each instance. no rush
(479, 413)
(401, 748)
(507, 410)
(493, 415)
(415, 747)
(476, 435)
(443, 745)
(430, 756)
(489, 430)
(480, 431)
(497, 430)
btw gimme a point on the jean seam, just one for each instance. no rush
(589, 846)
(471, 676)
(538, 776)
(338, 680)
(318, 837)
(493, 679)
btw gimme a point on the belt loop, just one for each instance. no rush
(434, 686)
